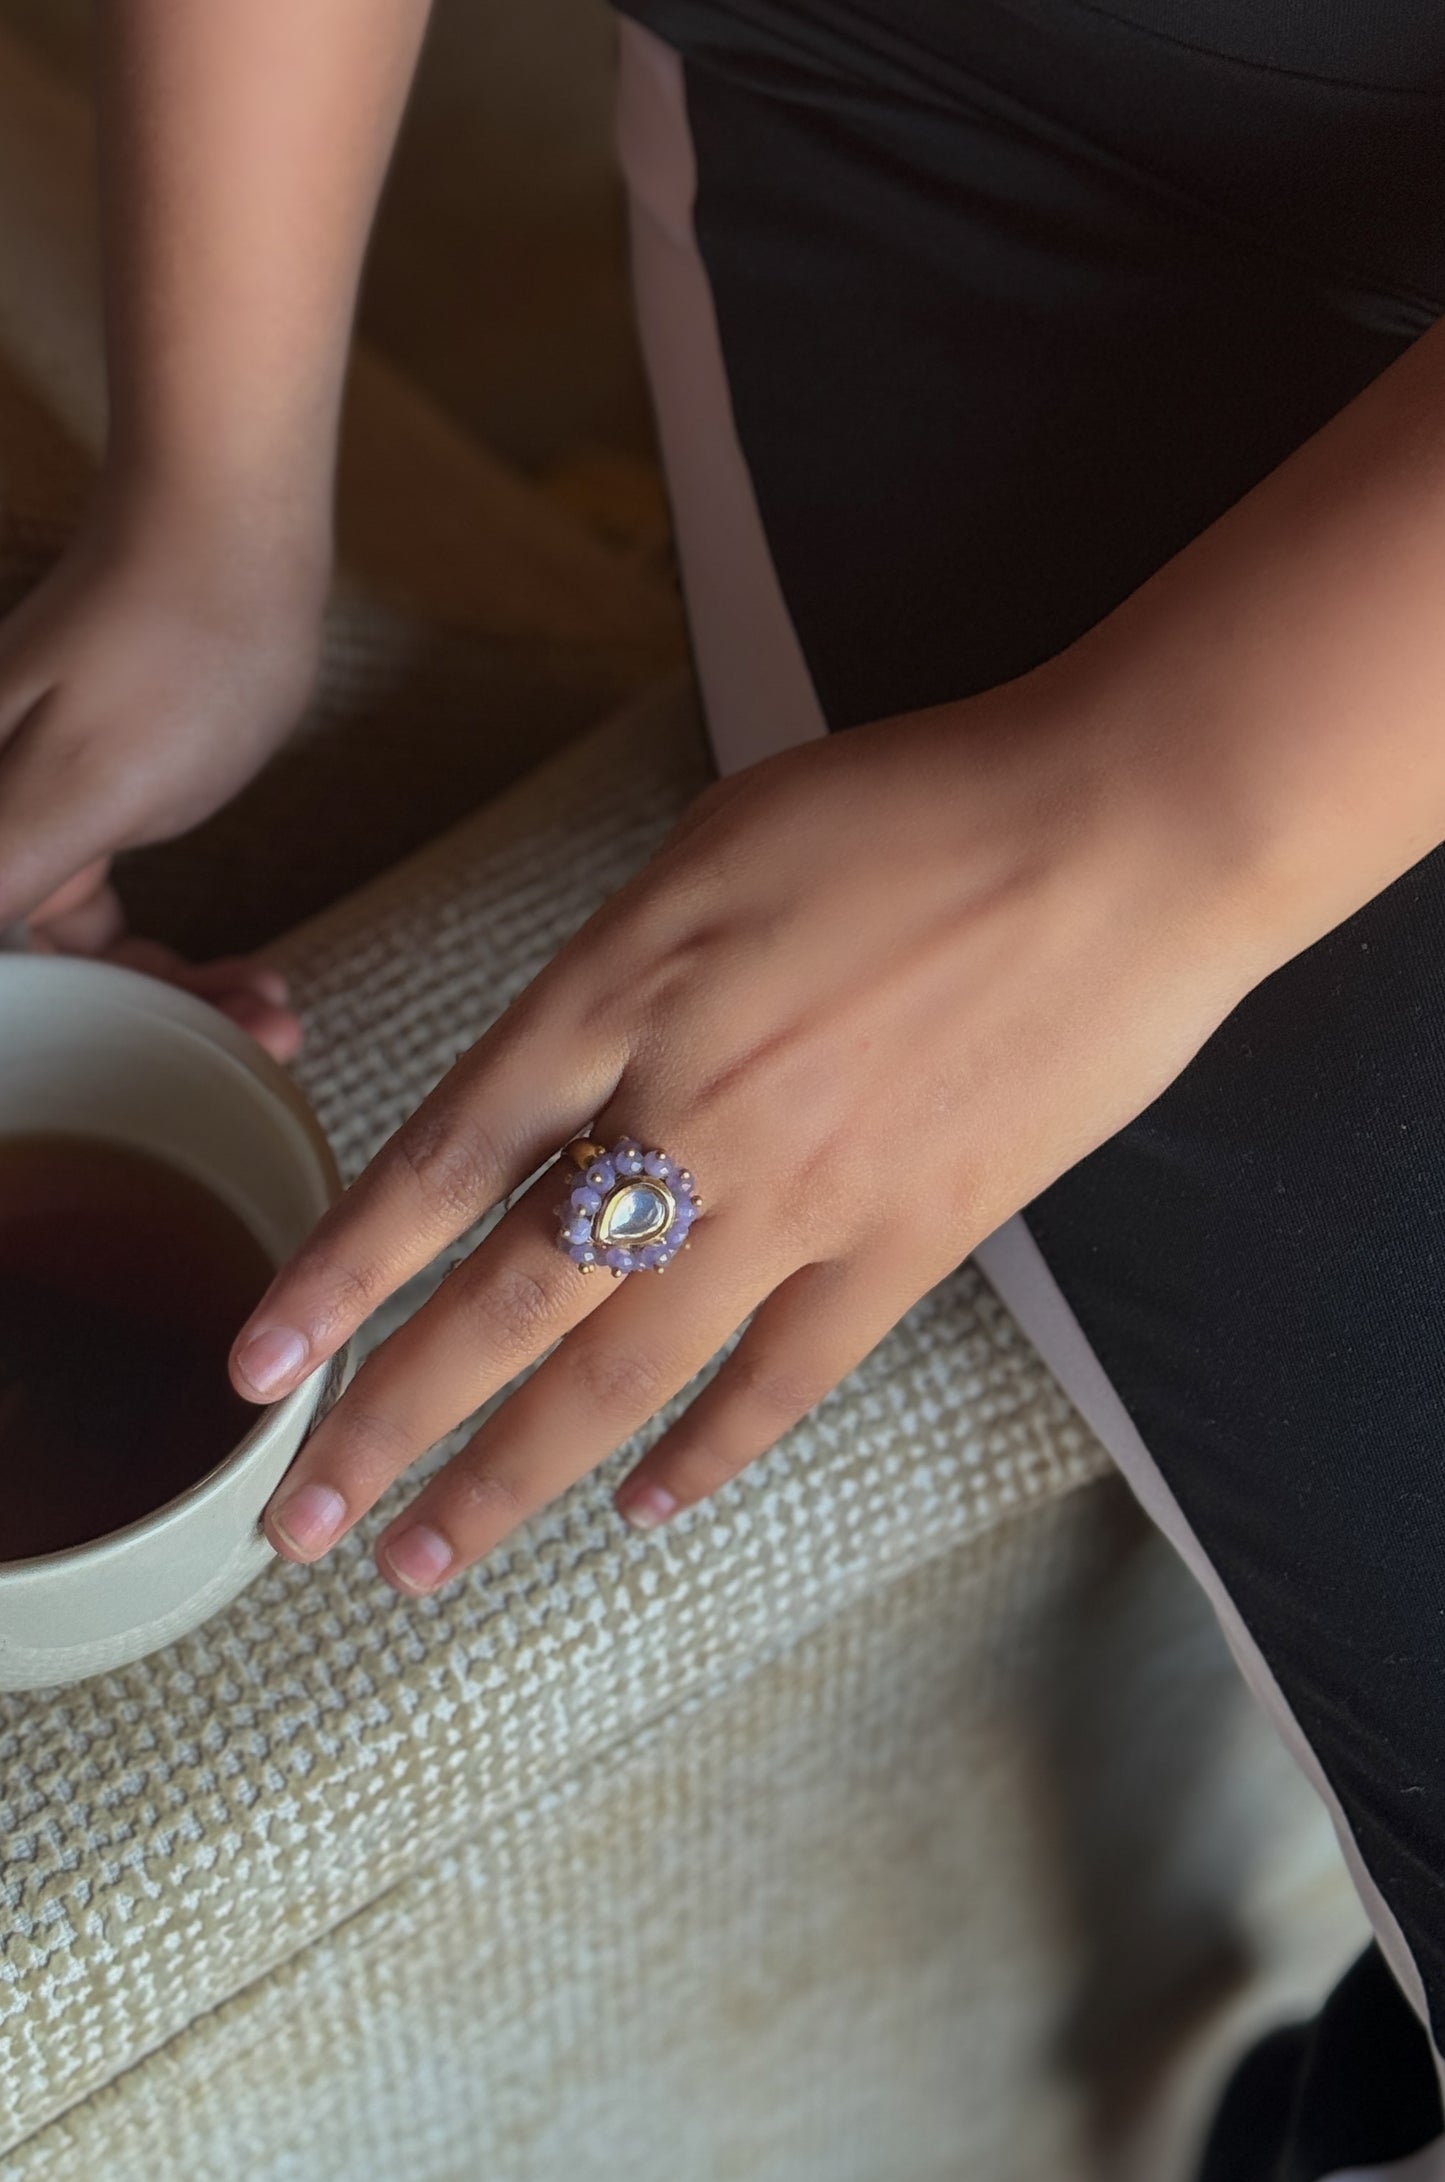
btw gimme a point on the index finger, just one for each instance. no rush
(516, 1096)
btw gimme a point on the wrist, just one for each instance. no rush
(1286, 668)
(1286, 753)
(1151, 768)
(215, 545)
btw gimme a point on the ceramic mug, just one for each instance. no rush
(104, 1052)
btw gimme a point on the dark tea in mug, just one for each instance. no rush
(122, 1286)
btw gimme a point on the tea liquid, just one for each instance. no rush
(122, 1286)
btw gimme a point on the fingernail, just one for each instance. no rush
(309, 1517)
(269, 1359)
(647, 1508)
(417, 1559)
(270, 984)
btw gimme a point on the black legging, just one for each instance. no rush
(1013, 300)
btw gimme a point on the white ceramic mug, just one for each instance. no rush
(104, 1052)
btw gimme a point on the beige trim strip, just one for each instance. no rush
(757, 691)
(1014, 1265)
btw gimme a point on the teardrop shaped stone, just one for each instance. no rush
(634, 1214)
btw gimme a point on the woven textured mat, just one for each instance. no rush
(171, 1833)
(803, 1926)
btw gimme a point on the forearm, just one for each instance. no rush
(1289, 665)
(243, 145)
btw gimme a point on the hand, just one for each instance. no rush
(141, 684)
(85, 917)
(876, 992)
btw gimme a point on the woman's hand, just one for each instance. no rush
(85, 918)
(242, 146)
(876, 992)
(141, 684)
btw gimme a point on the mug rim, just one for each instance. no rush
(194, 1018)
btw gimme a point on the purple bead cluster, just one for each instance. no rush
(625, 1165)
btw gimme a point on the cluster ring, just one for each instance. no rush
(629, 1210)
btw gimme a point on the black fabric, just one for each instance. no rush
(1255, 2116)
(1354, 2088)
(1008, 325)
(1367, 44)
(1014, 300)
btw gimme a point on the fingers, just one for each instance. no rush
(601, 1384)
(519, 1093)
(230, 974)
(218, 980)
(810, 1333)
(495, 1313)
(277, 1029)
(85, 917)
(251, 993)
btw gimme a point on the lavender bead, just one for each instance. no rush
(586, 1199)
(657, 1163)
(627, 1158)
(621, 1260)
(579, 1229)
(652, 1254)
(601, 1175)
(582, 1254)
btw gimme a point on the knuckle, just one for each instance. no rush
(455, 1165)
(345, 1293)
(488, 1496)
(775, 1392)
(371, 1440)
(619, 1381)
(519, 1303)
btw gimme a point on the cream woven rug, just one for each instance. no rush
(788, 1844)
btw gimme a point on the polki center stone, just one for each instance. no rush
(627, 1209)
(637, 1213)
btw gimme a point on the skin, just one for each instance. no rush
(857, 1115)
(140, 647)
(242, 147)
(877, 991)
